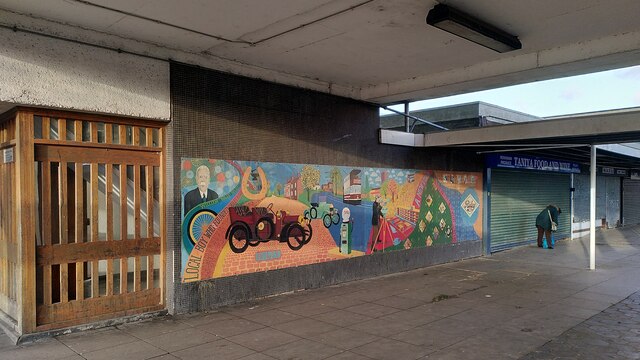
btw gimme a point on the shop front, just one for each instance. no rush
(631, 199)
(517, 189)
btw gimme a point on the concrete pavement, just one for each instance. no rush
(528, 303)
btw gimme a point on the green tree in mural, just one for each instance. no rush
(434, 225)
(279, 189)
(336, 179)
(310, 178)
(384, 188)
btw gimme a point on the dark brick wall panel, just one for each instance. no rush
(223, 116)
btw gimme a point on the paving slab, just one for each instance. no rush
(83, 342)
(263, 339)
(303, 349)
(612, 334)
(223, 349)
(179, 340)
(138, 350)
(527, 303)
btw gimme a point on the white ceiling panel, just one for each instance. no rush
(226, 18)
(163, 35)
(69, 12)
(383, 50)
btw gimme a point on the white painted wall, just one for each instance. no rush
(40, 71)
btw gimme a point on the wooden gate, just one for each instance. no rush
(99, 202)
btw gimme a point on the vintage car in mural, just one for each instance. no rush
(252, 226)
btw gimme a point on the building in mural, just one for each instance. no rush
(352, 188)
(274, 215)
(291, 187)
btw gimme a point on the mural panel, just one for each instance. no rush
(243, 216)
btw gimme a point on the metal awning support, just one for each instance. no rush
(592, 210)
(415, 118)
(407, 126)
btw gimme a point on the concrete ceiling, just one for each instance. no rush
(372, 50)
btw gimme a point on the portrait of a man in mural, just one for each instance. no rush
(201, 193)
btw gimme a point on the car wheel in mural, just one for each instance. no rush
(239, 235)
(264, 229)
(199, 223)
(261, 206)
(305, 222)
(295, 236)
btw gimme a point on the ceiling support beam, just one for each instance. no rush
(393, 137)
(590, 125)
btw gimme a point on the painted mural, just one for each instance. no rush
(242, 216)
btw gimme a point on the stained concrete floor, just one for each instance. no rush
(527, 303)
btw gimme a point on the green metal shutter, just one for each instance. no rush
(631, 202)
(517, 198)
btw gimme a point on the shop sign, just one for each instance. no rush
(507, 161)
(610, 171)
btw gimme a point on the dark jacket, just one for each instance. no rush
(192, 198)
(377, 212)
(543, 218)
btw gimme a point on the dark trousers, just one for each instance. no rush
(547, 234)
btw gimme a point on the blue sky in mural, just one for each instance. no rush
(606, 90)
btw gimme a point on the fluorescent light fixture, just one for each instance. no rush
(472, 29)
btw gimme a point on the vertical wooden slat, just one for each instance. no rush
(108, 133)
(4, 236)
(80, 219)
(46, 227)
(78, 130)
(25, 177)
(46, 128)
(94, 132)
(161, 207)
(136, 213)
(109, 173)
(149, 222)
(109, 191)
(62, 129)
(13, 200)
(95, 274)
(95, 290)
(136, 135)
(63, 226)
(124, 265)
(149, 137)
(122, 137)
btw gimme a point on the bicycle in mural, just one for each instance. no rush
(329, 217)
(252, 226)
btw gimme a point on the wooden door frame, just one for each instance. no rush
(26, 212)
